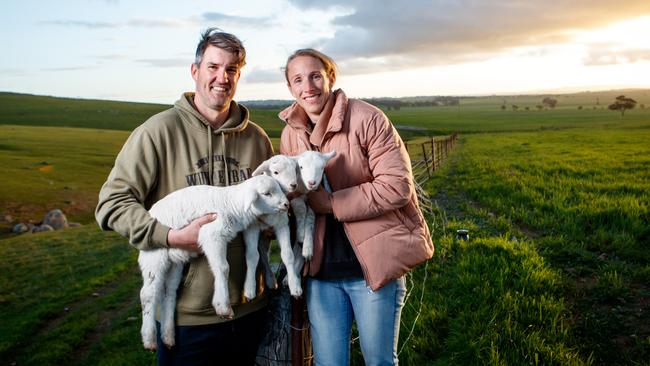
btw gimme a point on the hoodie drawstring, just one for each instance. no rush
(225, 161)
(211, 155)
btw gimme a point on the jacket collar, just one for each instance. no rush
(331, 119)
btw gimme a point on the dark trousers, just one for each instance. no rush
(230, 343)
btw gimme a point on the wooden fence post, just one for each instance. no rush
(433, 155)
(426, 161)
(297, 305)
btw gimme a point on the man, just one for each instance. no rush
(206, 138)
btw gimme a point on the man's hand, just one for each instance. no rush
(292, 195)
(320, 201)
(187, 237)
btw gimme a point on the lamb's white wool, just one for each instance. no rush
(237, 208)
(311, 165)
(283, 169)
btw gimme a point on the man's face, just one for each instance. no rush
(216, 79)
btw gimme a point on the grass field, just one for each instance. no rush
(555, 271)
(577, 204)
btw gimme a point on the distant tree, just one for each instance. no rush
(503, 107)
(549, 102)
(579, 107)
(527, 108)
(622, 104)
(540, 107)
(515, 107)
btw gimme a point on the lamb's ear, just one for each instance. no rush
(262, 169)
(329, 155)
(249, 196)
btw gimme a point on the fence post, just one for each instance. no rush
(426, 161)
(446, 147)
(435, 147)
(297, 357)
(433, 155)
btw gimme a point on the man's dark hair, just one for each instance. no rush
(226, 41)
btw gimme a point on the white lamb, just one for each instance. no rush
(310, 166)
(237, 208)
(284, 170)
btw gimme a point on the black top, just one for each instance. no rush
(339, 260)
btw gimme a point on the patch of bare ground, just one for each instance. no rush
(104, 326)
(70, 309)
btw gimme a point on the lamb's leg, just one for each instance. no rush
(286, 252)
(154, 265)
(264, 247)
(299, 207)
(298, 260)
(215, 248)
(308, 243)
(168, 305)
(251, 238)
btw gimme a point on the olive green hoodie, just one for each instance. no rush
(172, 150)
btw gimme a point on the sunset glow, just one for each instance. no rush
(140, 52)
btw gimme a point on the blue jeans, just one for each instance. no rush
(332, 305)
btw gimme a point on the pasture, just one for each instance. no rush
(555, 272)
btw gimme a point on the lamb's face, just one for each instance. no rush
(312, 165)
(269, 197)
(281, 168)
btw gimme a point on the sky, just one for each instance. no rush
(141, 50)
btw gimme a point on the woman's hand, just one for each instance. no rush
(187, 237)
(320, 201)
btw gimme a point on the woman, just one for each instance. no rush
(369, 230)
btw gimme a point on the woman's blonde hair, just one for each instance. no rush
(328, 63)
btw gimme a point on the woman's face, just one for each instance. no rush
(309, 84)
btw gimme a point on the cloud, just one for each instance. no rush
(422, 32)
(167, 62)
(135, 23)
(273, 75)
(158, 23)
(602, 55)
(69, 68)
(221, 18)
(209, 17)
(79, 23)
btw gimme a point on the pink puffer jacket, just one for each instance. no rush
(373, 191)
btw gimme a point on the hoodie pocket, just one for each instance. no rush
(195, 296)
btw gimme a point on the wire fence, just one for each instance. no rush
(287, 341)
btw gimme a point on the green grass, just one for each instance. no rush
(590, 186)
(483, 114)
(555, 272)
(574, 203)
(59, 289)
(34, 110)
(42, 168)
